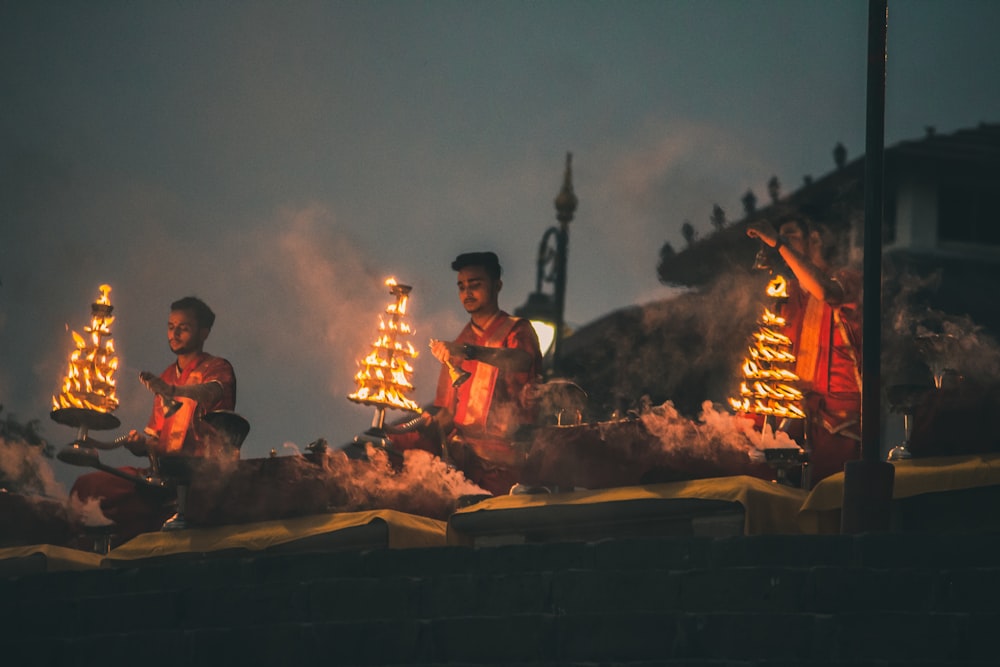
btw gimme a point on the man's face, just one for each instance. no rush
(183, 333)
(793, 236)
(477, 290)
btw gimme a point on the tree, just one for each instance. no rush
(749, 202)
(718, 217)
(839, 155)
(774, 189)
(667, 254)
(687, 231)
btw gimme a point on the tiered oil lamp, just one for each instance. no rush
(88, 398)
(769, 381)
(384, 378)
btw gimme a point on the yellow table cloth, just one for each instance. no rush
(820, 512)
(769, 507)
(45, 558)
(403, 531)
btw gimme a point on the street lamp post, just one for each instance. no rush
(546, 311)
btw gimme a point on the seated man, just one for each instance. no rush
(195, 384)
(485, 386)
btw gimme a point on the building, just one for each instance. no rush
(941, 268)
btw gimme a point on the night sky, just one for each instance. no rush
(280, 160)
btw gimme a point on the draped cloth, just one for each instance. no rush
(827, 345)
(135, 508)
(491, 405)
(184, 431)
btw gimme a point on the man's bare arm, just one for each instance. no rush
(810, 276)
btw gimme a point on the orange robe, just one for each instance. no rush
(139, 509)
(827, 345)
(491, 405)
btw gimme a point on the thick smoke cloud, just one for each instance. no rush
(924, 343)
(24, 470)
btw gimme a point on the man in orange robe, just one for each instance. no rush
(195, 384)
(823, 318)
(484, 391)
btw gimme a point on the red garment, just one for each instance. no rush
(491, 405)
(139, 509)
(134, 509)
(184, 431)
(827, 344)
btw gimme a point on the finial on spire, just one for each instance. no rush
(566, 200)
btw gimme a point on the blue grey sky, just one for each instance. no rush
(280, 160)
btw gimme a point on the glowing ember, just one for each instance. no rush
(90, 381)
(384, 377)
(768, 386)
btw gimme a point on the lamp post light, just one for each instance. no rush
(546, 310)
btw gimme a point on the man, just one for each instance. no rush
(195, 384)
(823, 316)
(484, 391)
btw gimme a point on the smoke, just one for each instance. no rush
(423, 485)
(665, 173)
(686, 350)
(956, 343)
(714, 436)
(326, 480)
(24, 470)
(924, 342)
(87, 513)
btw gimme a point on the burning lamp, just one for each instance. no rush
(88, 399)
(384, 378)
(545, 310)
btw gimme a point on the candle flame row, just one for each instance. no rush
(768, 385)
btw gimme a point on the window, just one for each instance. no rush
(964, 216)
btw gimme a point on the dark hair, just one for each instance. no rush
(807, 226)
(202, 313)
(804, 224)
(487, 260)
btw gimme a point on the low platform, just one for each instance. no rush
(375, 529)
(723, 506)
(34, 559)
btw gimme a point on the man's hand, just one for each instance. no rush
(136, 443)
(763, 230)
(508, 359)
(448, 353)
(155, 384)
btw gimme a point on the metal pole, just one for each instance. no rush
(868, 483)
(871, 408)
(565, 203)
(562, 244)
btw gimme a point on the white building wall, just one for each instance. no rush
(916, 214)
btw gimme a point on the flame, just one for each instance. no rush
(778, 287)
(752, 370)
(768, 335)
(90, 376)
(104, 299)
(770, 318)
(384, 377)
(768, 353)
(768, 385)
